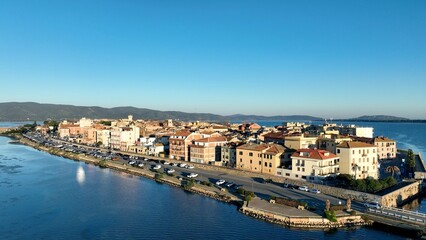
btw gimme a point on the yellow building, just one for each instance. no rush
(300, 141)
(261, 158)
(358, 159)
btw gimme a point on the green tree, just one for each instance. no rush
(411, 159)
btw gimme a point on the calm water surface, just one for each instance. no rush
(48, 197)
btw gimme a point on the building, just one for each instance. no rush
(314, 164)
(123, 137)
(179, 144)
(386, 148)
(228, 154)
(352, 130)
(300, 142)
(207, 150)
(260, 158)
(358, 159)
(274, 137)
(330, 143)
(249, 127)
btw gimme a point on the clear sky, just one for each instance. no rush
(321, 58)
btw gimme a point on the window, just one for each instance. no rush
(250, 154)
(251, 162)
(266, 164)
(241, 153)
(241, 160)
(338, 150)
(260, 162)
(270, 164)
(287, 174)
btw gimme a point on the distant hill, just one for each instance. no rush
(254, 118)
(378, 118)
(18, 111)
(14, 111)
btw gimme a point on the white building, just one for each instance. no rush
(85, 122)
(123, 137)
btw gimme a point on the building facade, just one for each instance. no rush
(358, 159)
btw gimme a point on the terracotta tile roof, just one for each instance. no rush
(212, 139)
(314, 154)
(275, 149)
(275, 135)
(268, 148)
(383, 139)
(354, 145)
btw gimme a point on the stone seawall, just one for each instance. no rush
(304, 222)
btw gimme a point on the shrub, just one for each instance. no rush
(241, 191)
(353, 213)
(248, 198)
(102, 164)
(158, 176)
(331, 215)
(188, 184)
(210, 184)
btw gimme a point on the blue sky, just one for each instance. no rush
(321, 58)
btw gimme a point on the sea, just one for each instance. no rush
(48, 197)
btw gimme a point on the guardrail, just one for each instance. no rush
(420, 214)
(413, 218)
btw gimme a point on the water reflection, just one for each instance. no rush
(81, 175)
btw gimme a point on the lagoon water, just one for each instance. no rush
(48, 197)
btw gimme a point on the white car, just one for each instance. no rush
(372, 205)
(156, 167)
(166, 163)
(170, 171)
(304, 188)
(316, 191)
(193, 175)
(182, 165)
(220, 182)
(189, 166)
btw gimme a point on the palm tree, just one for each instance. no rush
(392, 169)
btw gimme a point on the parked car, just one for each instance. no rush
(193, 175)
(316, 191)
(229, 184)
(304, 188)
(156, 167)
(220, 182)
(182, 165)
(170, 171)
(166, 163)
(189, 166)
(287, 185)
(372, 205)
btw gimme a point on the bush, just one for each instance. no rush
(205, 183)
(188, 184)
(158, 176)
(353, 213)
(241, 191)
(102, 164)
(248, 198)
(331, 215)
(210, 184)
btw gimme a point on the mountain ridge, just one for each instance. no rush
(24, 111)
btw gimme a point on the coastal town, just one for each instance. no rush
(336, 164)
(294, 150)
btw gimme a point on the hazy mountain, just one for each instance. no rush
(378, 118)
(13, 111)
(254, 118)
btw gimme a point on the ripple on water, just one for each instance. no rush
(10, 169)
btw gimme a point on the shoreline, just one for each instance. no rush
(226, 197)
